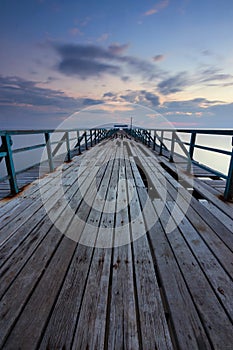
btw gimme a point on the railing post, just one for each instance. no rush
(91, 137)
(161, 143)
(6, 142)
(149, 136)
(172, 147)
(68, 146)
(191, 150)
(85, 136)
(49, 151)
(79, 144)
(154, 141)
(228, 193)
(95, 137)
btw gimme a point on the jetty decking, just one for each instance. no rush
(142, 263)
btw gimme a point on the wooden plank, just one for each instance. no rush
(122, 327)
(62, 324)
(218, 278)
(41, 300)
(29, 240)
(34, 211)
(216, 322)
(31, 205)
(219, 215)
(57, 261)
(154, 327)
(13, 302)
(207, 233)
(92, 322)
(15, 206)
(182, 315)
(226, 207)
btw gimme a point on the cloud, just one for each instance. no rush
(87, 61)
(23, 100)
(125, 78)
(158, 58)
(174, 84)
(182, 80)
(152, 98)
(196, 104)
(157, 8)
(200, 112)
(24, 104)
(143, 97)
(109, 94)
(117, 49)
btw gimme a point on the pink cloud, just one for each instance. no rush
(158, 58)
(118, 49)
(156, 8)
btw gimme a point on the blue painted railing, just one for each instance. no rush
(82, 140)
(165, 141)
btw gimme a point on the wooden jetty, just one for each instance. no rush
(128, 256)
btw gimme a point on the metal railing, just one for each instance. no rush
(164, 141)
(82, 140)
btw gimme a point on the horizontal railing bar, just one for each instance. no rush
(28, 148)
(42, 131)
(197, 131)
(205, 167)
(206, 148)
(3, 154)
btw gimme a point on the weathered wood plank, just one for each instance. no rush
(184, 201)
(122, 328)
(158, 289)
(216, 322)
(43, 296)
(217, 276)
(90, 330)
(62, 324)
(154, 327)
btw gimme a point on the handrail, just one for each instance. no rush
(150, 136)
(85, 138)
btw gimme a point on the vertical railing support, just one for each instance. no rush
(6, 143)
(79, 144)
(161, 143)
(91, 137)
(154, 141)
(68, 146)
(171, 159)
(149, 136)
(191, 150)
(49, 151)
(95, 137)
(228, 193)
(85, 136)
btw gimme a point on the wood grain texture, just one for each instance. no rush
(116, 277)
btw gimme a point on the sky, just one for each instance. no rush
(88, 63)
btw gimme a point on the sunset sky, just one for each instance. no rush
(173, 57)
